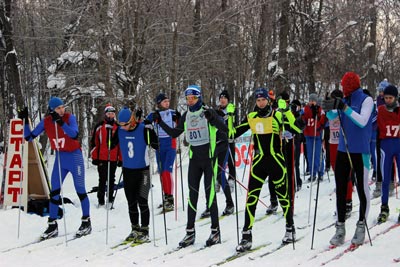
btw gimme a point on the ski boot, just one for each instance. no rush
(143, 235)
(51, 231)
(290, 235)
(272, 208)
(133, 234)
(230, 209)
(382, 217)
(205, 214)
(377, 191)
(188, 239)
(359, 234)
(85, 228)
(246, 242)
(338, 238)
(214, 238)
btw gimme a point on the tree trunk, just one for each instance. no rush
(12, 71)
(282, 79)
(371, 77)
(260, 46)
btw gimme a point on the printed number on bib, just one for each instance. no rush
(310, 122)
(392, 130)
(193, 135)
(130, 150)
(61, 143)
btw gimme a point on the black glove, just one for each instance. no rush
(314, 110)
(109, 124)
(95, 162)
(139, 113)
(23, 114)
(156, 116)
(148, 124)
(333, 103)
(176, 116)
(56, 118)
(209, 115)
(119, 163)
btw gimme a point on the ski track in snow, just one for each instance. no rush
(92, 250)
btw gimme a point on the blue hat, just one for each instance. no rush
(193, 90)
(55, 102)
(124, 115)
(160, 98)
(391, 90)
(382, 85)
(261, 92)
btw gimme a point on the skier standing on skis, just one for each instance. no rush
(314, 118)
(203, 127)
(225, 154)
(68, 159)
(133, 139)
(389, 135)
(266, 125)
(105, 158)
(353, 153)
(167, 152)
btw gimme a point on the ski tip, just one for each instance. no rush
(353, 247)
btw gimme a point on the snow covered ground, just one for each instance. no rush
(92, 250)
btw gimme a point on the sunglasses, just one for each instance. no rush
(191, 97)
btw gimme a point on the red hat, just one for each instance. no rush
(350, 83)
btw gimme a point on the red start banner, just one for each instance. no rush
(15, 164)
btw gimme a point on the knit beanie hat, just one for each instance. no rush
(225, 94)
(313, 97)
(391, 90)
(296, 103)
(55, 102)
(160, 98)
(261, 92)
(109, 108)
(350, 83)
(382, 85)
(193, 90)
(285, 96)
(124, 115)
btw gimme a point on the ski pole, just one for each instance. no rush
(59, 175)
(236, 199)
(158, 159)
(151, 190)
(116, 191)
(315, 216)
(312, 168)
(176, 191)
(21, 177)
(352, 168)
(180, 167)
(108, 179)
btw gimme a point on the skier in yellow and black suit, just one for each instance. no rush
(268, 161)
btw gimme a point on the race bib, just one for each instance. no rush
(261, 125)
(197, 133)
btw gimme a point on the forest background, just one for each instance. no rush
(93, 52)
